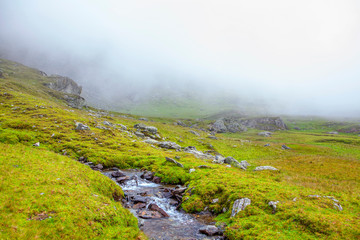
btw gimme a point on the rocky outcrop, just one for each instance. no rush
(240, 205)
(64, 84)
(174, 161)
(70, 89)
(80, 126)
(232, 161)
(169, 145)
(233, 124)
(262, 168)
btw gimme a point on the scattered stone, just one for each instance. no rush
(36, 144)
(139, 134)
(212, 137)
(122, 179)
(156, 208)
(219, 159)
(151, 141)
(80, 126)
(99, 166)
(232, 161)
(180, 123)
(147, 175)
(219, 126)
(284, 147)
(106, 123)
(117, 174)
(146, 129)
(267, 145)
(82, 159)
(273, 204)
(215, 200)
(334, 132)
(336, 203)
(149, 214)
(139, 199)
(168, 145)
(143, 119)
(139, 205)
(240, 205)
(204, 166)
(265, 134)
(209, 230)
(156, 179)
(192, 170)
(195, 133)
(198, 154)
(262, 168)
(174, 161)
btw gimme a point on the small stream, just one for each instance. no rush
(141, 194)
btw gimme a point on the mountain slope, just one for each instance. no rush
(317, 164)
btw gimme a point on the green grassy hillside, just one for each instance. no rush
(317, 164)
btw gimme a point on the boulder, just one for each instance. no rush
(147, 175)
(80, 127)
(98, 166)
(210, 230)
(149, 214)
(219, 126)
(232, 161)
(273, 204)
(212, 137)
(262, 168)
(168, 145)
(284, 147)
(195, 133)
(150, 141)
(156, 179)
(174, 161)
(139, 205)
(240, 205)
(106, 123)
(117, 174)
(265, 134)
(154, 207)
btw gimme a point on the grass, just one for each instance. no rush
(318, 163)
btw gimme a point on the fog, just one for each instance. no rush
(294, 57)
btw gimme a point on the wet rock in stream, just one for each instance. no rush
(156, 206)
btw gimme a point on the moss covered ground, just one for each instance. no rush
(81, 204)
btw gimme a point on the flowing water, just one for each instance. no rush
(179, 225)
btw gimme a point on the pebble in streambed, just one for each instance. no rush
(156, 207)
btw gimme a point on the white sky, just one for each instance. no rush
(304, 55)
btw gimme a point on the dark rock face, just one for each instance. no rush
(65, 85)
(232, 124)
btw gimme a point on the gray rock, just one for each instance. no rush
(168, 145)
(232, 161)
(219, 159)
(81, 126)
(240, 205)
(204, 166)
(117, 174)
(139, 134)
(296, 128)
(143, 119)
(265, 134)
(174, 161)
(273, 204)
(106, 123)
(180, 123)
(219, 126)
(150, 141)
(267, 145)
(334, 132)
(198, 154)
(212, 137)
(284, 147)
(146, 129)
(36, 144)
(195, 133)
(64, 84)
(215, 200)
(262, 168)
(209, 230)
(192, 170)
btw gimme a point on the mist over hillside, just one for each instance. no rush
(258, 57)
